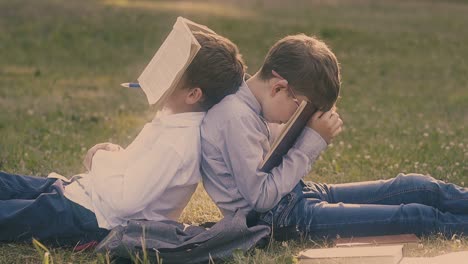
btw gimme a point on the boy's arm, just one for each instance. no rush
(142, 182)
(88, 160)
(243, 154)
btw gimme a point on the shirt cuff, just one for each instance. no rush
(310, 142)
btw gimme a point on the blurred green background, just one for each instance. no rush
(404, 97)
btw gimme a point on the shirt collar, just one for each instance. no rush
(248, 97)
(188, 119)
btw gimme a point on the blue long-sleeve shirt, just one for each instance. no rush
(235, 139)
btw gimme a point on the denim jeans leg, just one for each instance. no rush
(403, 189)
(14, 186)
(406, 204)
(318, 219)
(50, 216)
(278, 217)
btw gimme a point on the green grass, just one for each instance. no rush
(404, 95)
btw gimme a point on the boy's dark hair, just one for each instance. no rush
(217, 69)
(310, 67)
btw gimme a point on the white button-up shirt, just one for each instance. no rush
(153, 178)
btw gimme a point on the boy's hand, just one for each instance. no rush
(88, 160)
(328, 124)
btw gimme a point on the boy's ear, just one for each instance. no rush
(277, 85)
(194, 96)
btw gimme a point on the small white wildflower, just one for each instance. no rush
(367, 156)
(425, 134)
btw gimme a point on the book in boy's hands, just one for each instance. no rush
(286, 139)
(164, 72)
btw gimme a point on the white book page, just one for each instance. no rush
(167, 66)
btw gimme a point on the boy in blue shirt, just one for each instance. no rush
(236, 137)
(152, 179)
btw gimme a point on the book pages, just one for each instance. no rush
(162, 75)
(362, 255)
(450, 258)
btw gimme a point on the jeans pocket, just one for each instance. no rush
(277, 217)
(284, 215)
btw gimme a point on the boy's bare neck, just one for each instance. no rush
(258, 87)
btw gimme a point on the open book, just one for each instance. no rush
(286, 139)
(164, 72)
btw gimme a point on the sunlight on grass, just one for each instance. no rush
(18, 70)
(200, 209)
(209, 9)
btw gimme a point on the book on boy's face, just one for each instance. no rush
(164, 72)
(287, 137)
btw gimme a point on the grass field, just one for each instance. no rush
(404, 95)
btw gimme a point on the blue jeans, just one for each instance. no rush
(411, 203)
(35, 207)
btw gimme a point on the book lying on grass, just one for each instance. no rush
(164, 72)
(406, 239)
(450, 258)
(286, 139)
(362, 255)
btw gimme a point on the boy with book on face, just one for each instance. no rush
(236, 139)
(153, 178)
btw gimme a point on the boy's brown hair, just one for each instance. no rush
(217, 69)
(308, 65)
